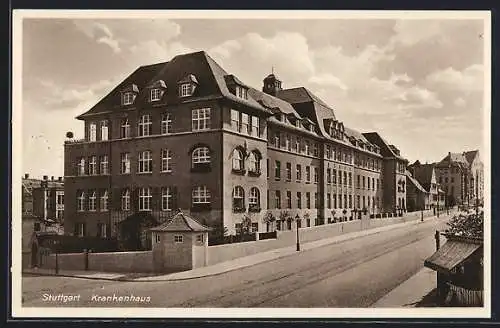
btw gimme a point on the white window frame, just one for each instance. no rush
(245, 123)
(185, 90)
(253, 162)
(125, 200)
(104, 130)
(255, 129)
(155, 94)
(200, 239)
(200, 119)
(104, 202)
(166, 160)
(166, 199)
(128, 98)
(125, 163)
(92, 201)
(178, 239)
(80, 229)
(145, 198)
(254, 196)
(93, 165)
(200, 155)
(238, 162)
(92, 131)
(81, 166)
(235, 120)
(166, 123)
(104, 165)
(144, 126)
(239, 195)
(80, 201)
(201, 195)
(124, 128)
(145, 164)
(104, 230)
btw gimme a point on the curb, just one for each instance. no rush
(123, 279)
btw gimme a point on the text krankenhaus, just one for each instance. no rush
(116, 298)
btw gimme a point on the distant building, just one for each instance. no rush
(461, 176)
(425, 179)
(186, 134)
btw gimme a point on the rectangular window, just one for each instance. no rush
(178, 239)
(80, 229)
(345, 178)
(104, 130)
(297, 145)
(358, 201)
(289, 199)
(125, 163)
(299, 172)
(145, 199)
(92, 165)
(144, 126)
(334, 176)
(345, 201)
(350, 179)
(328, 152)
(288, 171)
(316, 175)
(126, 200)
(81, 166)
(329, 200)
(200, 239)
(315, 150)
(316, 204)
(255, 126)
(364, 183)
(288, 142)
(368, 183)
(340, 201)
(277, 140)
(166, 160)
(340, 177)
(155, 94)
(277, 199)
(92, 131)
(124, 128)
(127, 98)
(92, 200)
(245, 123)
(103, 202)
(80, 201)
(350, 201)
(373, 183)
(299, 199)
(307, 150)
(185, 90)
(166, 123)
(60, 198)
(308, 200)
(277, 170)
(308, 174)
(200, 119)
(328, 175)
(166, 199)
(334, 200)
(145, 162)
(103, 165)
(235, 120)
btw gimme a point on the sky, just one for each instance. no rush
(419, 83)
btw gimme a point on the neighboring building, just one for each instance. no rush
(417, 198)
(457, 173)
(425, 174)
(187, 135)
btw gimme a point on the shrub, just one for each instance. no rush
(466, 225)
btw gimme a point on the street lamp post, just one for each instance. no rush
(297, 218)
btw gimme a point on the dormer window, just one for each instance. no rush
(128, 98)
(311, 128)
(241, 92)
(155, 94)
(187, 86)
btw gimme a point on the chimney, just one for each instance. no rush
(52, 178)
(26, 176)
(59, 179)
(45, 177)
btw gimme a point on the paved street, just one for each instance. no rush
(353, 273)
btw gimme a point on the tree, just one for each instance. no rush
(467, 225)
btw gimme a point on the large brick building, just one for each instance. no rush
(186, 134)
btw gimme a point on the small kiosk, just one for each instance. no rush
(179, 244)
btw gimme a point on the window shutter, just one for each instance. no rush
(174, 198)
(155, 201)
(116, 197)
(134, 199)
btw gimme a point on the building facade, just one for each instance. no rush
(187, 135)
(462, 177)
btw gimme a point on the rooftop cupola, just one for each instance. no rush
(271, 85)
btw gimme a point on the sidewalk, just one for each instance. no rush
(410, 292)
(226, 266)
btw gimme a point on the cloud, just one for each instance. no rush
(225, 49)
(459, 102)
(470, 79)
(327, 79)
(152, 51)
(98, 31)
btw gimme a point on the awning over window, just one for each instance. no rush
(450, 255)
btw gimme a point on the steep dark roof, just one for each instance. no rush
(423, 173)
(415, 182)
(181, 222)
(454, 159)
(471, 155)
(385, 148)
(272, 102)
(197, 66)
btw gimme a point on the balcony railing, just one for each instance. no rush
(74, 141)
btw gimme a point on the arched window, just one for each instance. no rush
(200, 155)
(238, 199)
(238, 160)
(201, 195)
(81, 201)
(254, 199)
(254, 162)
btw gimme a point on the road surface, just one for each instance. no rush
(353, 273)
